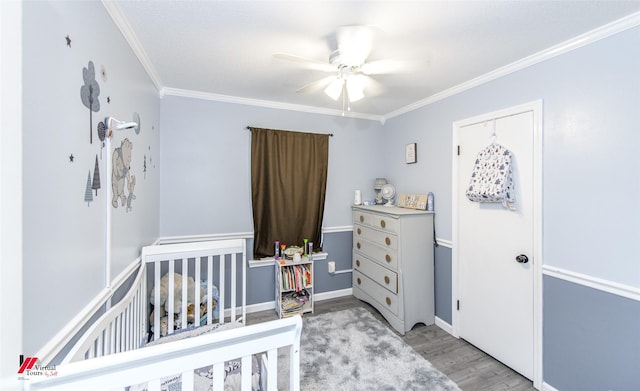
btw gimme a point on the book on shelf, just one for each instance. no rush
(296, 277)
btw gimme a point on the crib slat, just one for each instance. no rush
(245, 371)
(170, 296)
(210, 286)
(221, 289)
(156, 300)
(185, 293)
(272, 370)
(198, 299)
(218, 377)
(232, 258)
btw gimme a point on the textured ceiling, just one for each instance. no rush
(224, 49)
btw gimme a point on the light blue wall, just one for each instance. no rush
(591, 98)
(63, 236)
(205, 153)
(588, 345)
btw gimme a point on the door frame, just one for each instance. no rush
(536, 108)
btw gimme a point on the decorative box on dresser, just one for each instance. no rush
(393, 263)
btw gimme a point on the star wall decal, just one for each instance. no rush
(108, 99)
(68, 40)
(71, 157)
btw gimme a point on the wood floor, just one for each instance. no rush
(465, 364)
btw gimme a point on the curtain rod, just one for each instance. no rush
(330, 134)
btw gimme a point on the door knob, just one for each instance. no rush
(522, 258)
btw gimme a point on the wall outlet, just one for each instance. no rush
(332, 267)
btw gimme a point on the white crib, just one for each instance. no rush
(108, 355)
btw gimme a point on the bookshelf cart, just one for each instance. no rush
(294, 287)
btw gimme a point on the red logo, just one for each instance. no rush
(28, 364)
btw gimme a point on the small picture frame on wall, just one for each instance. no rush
(410, 153)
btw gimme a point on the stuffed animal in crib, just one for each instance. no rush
(177, 292)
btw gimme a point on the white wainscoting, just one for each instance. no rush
(601, 284)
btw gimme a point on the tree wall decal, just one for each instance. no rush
(89, 93)
(88, 196)
(96, 177)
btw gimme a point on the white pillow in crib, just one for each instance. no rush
(194, 332)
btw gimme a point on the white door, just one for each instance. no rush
(495, 287)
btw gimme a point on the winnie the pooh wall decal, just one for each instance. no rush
(89, 93)
(120, 173)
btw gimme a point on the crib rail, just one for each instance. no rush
(190, 259)
(155, 362)
(120, 329)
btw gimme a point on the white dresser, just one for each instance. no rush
(393, 263)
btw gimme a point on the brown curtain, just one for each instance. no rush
(288, 182)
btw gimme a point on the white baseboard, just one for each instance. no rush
(270, 305)
(547, 387)
(444, 325)
(333, 294)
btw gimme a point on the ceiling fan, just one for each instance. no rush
(351, 72)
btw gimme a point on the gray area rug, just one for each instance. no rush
(352, 350)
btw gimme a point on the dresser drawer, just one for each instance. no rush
(387, 257)
(383, 276)
(379, 294)
(384, 223)
(382, 239)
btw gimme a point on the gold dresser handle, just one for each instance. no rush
(387, 241)
(388, 301)
(357, 262)
(387, 280)
(359, 231)
(359, 282)
(387, 257)
(382, 223)
(358, 245)
(361, 218)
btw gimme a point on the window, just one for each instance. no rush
(288, 183)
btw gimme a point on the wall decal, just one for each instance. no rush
(88, 195)
(144, 166)
(121, 161)
(108, 99)
(89, 93)
(71, 157)
(102, 132)
(103, 73)
(96, 177)
(68, 40)
(130, 196)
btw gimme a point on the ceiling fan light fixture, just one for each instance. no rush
(355, 88)
(334, 89)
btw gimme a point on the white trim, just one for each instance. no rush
(548, 387)
(444, 242)
(332, 294)
(203, 238)
(337, 229)
(536, 108)
(444, 325)
(620, 25)
(267, 104)
(11, 224)
(615, 288)
(125, 28)
(271, 305)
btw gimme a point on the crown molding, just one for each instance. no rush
(130, 36)
(620, 25)
(266, 103)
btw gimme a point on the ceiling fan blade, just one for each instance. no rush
(317, 85)
(354, 44)
(308, 63)
(372, 87)
(383, 67)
